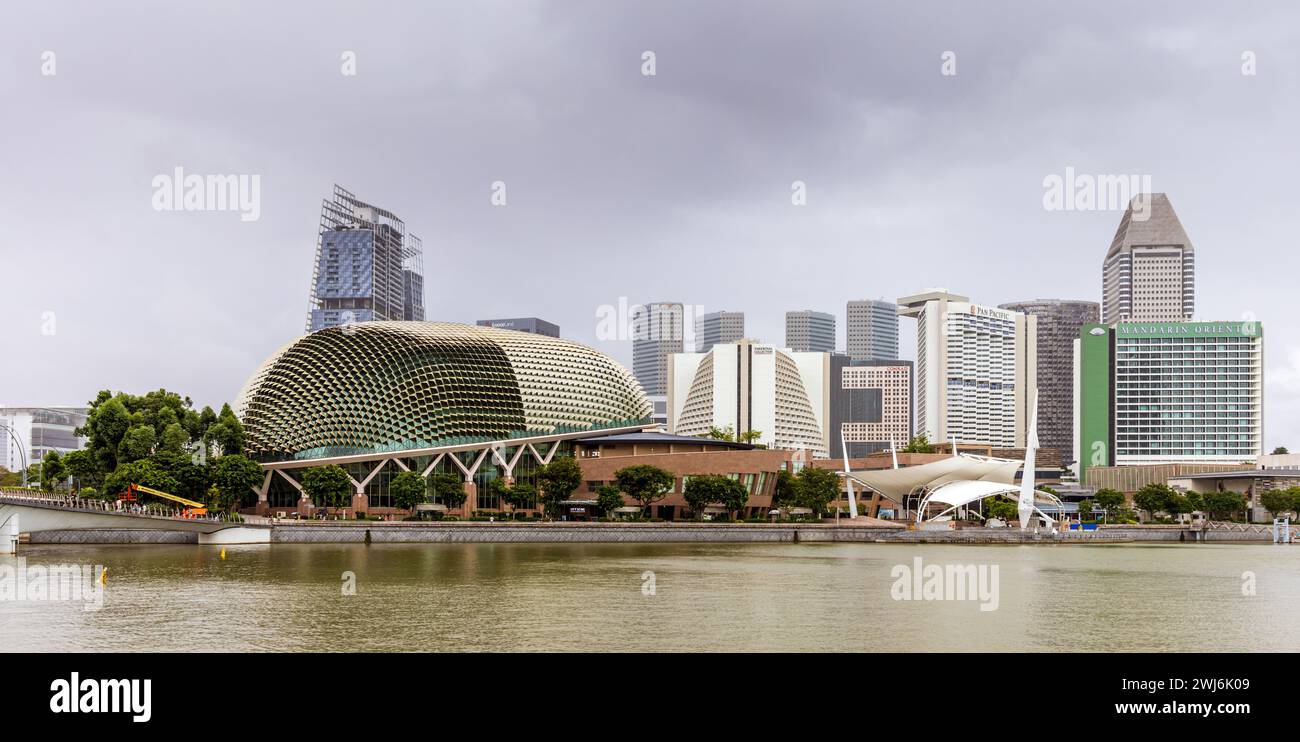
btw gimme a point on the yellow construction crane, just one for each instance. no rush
(194, 508)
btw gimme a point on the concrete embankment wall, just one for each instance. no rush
(390, 533)
(115, 536)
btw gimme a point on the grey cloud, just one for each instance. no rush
(670, 188)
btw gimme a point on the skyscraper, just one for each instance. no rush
(872, 330)
(976, 369)
(1059, 322)
(367, 266)
(718, 327)
(656, 333)
(1149, 274)
(871, 405)
(807, 331)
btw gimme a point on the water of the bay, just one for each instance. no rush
(685, 597)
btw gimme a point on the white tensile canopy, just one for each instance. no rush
(897, 484)
(960, 494)
(954, 482)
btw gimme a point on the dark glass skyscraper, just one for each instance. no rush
(367, 266)
(1059, 323)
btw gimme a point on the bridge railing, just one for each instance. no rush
(92, 505)
(1218, 525)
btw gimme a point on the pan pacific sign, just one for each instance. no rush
(980, 311)
(1189, 329)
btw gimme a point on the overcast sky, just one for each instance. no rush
(671, 187)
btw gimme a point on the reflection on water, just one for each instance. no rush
(714, 597)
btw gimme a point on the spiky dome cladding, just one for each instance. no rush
(384, 386)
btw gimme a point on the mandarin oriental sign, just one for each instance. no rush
(1189, 329)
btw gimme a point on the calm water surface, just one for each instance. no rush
(715, 597)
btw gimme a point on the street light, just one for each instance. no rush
(21, 452)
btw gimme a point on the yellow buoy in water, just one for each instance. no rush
(223, 554)
(103, 577)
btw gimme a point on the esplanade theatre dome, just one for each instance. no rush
(386, 386)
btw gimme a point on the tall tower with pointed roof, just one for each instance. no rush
(1149, 274)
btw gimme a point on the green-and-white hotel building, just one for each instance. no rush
(1169, 392)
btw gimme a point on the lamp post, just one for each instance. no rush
(21, 451)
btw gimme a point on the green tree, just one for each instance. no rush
(1225, 504)
(1277, 502)
(702, 490)
(749, 436)
(919, 444)
(735, 496)
(106, 424)
(558, 480)
(817, 488)
(609, 498)
(144, 472)
(10, 478)
(521, 495)
(1154, 498)
(720, 434)
(227, 432)
(83, 468)
(448, 489)
(497, 487)
(644, 483)
(1085, 511)
(407, 488)
(1110, 500)
(192, 480)
(1280, 451)
(786, 492)
(52, 470)
(1180, 503)
(1001, 508)
(138, 443)
(207, 418)
(328, 486)
(174, 439)
(234, 478)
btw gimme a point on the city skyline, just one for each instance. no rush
(725, 212)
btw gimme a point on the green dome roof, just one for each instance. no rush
(385, 386)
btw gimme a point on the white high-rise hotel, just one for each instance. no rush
(782, 395)
(976, 369)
